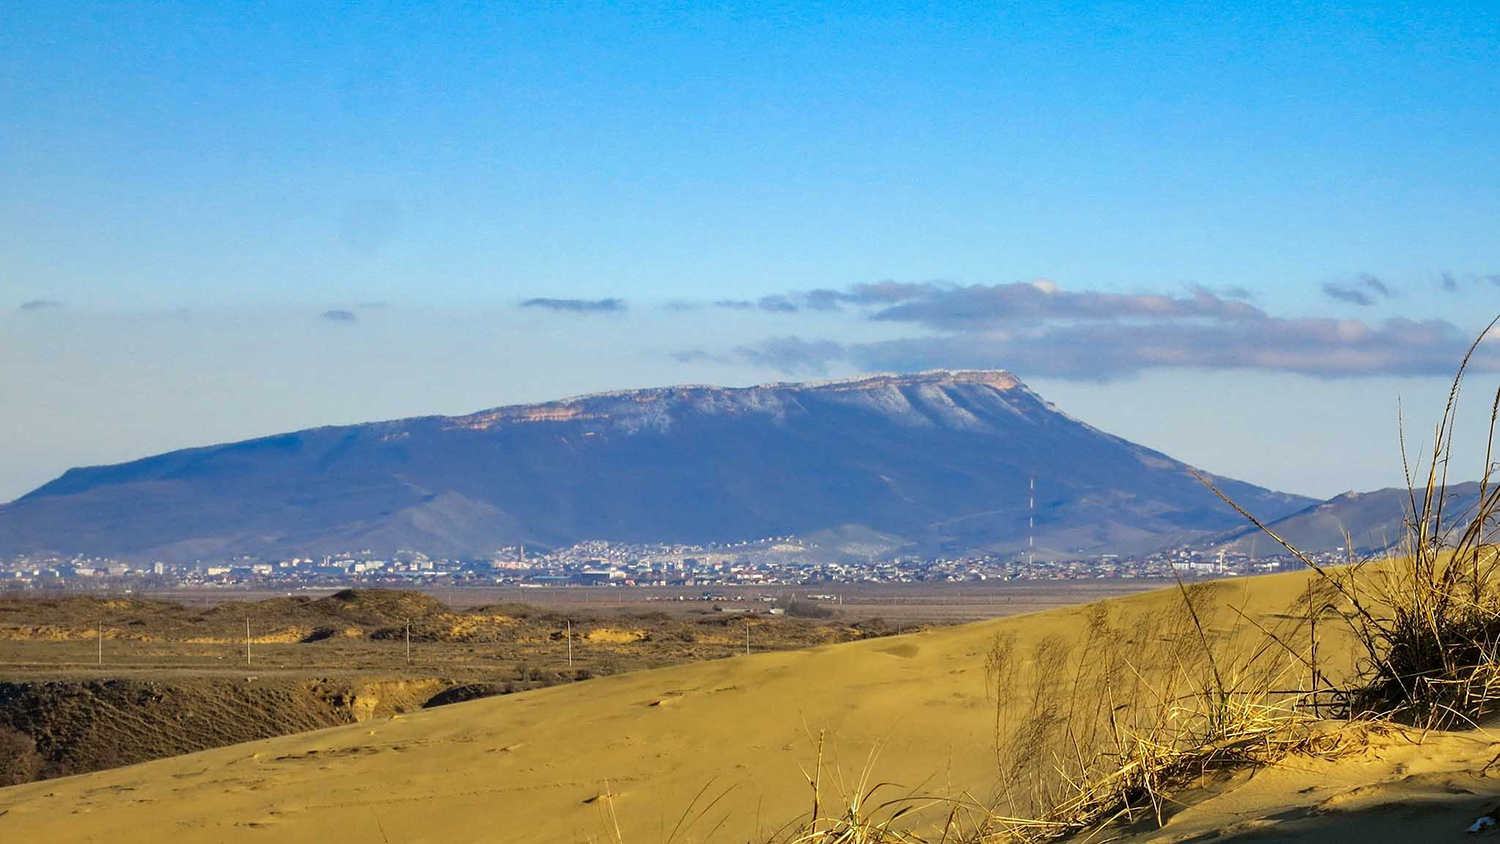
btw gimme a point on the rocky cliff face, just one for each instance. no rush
(942, 459)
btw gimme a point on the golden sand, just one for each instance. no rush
(532, 766)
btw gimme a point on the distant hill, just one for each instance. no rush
(1372, 521)
(937, 460)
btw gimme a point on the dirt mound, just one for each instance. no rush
(319, 634)
(286, 619)
(468, 691)
(379, 606)
(79, 726)
(615, 636)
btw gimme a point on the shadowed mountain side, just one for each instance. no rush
(940, 459)
(1372, 522)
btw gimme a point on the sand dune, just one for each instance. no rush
(1401, 788)
(532, 766)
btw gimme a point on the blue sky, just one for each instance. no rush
(1177, 221)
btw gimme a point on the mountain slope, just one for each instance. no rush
(1372, 522)
(941, 459)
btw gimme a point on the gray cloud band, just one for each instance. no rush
(1319, 347)
(1039, 329)
(577, 306)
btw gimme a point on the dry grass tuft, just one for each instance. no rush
(1427, 615)
(1141, 705)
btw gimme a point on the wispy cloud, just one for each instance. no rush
(697, 356)
(948, 306)
(979, 305)
(793, 355)
(1101, 352)
(1364, 290)
(777, 304)
(871, 293)
(339, 316)
(1231, 291)
(577, 306)
(1040, 329)
(41, 305)
(1318, 347)
(1453, 283)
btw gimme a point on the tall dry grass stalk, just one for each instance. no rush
(1142, 703)
(1102, 728)
(1426, 615)
(1150, 701)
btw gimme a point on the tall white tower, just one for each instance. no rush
(1031, 523)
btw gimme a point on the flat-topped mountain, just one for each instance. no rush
(941, 459)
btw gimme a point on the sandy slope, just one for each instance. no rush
(1401, 788)
(530, 767)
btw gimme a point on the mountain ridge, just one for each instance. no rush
(1371, 522)
(940, 458)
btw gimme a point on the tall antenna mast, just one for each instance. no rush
(1031, 523)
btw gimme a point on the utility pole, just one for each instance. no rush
(747, 637)
(101, 642)
(570, 644)
(408, 641)
(247, 641)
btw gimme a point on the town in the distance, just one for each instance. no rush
(772, 561)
